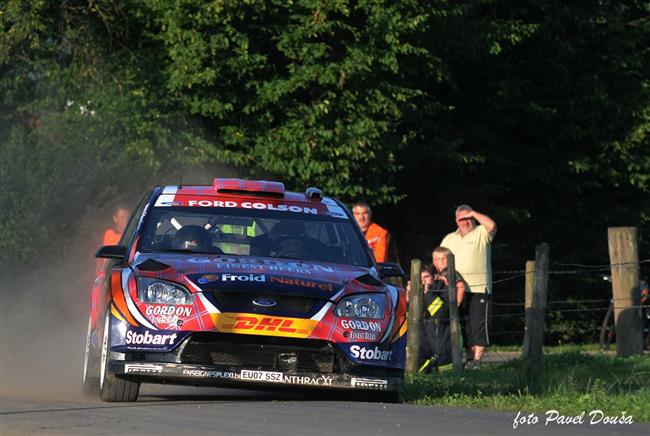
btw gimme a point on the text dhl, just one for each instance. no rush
(270, 324)
(265, 325)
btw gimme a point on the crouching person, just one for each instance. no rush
(435, 342)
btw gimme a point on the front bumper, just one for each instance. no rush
(210, 375)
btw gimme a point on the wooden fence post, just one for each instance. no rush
(414, 319)
(624, 261)
(454, 328)
(530, 285)
(535, 316)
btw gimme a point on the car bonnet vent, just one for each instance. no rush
(260, 188)
(369, 280)
(314, 193)
(152, 265)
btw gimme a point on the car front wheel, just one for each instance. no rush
(89, 379)
(111, 387)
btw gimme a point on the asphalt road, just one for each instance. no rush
(41, 350)
(163, 410)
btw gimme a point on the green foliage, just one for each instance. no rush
(572, 382)
(74, 161)
(519, 108)
(20, 23)
(82, 124)
(548, 137)
(311, 90)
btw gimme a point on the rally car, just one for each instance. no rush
(243, 284)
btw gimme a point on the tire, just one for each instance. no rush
(89, 378)
(111, 387)
(607, 331)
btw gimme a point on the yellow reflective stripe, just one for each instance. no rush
(116, 314)
(402, 330)
(435, 305)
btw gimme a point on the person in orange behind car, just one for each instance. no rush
(378, 237)
(120, 219)
(113, 234)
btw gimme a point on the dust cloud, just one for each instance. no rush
(44, 320)
(44, 312)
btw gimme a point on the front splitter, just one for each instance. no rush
(188, 374)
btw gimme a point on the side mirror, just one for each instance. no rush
(390, 270)
(112, 252)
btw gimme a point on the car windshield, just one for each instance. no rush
(250, 232)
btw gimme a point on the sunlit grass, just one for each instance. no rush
(551, 349)
(571, 382)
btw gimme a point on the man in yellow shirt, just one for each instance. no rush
(471, 245)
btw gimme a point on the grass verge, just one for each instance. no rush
(593, 347)
(571, 382)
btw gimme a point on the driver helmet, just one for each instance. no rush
(194, 238)
(288, 239)
(286, 229)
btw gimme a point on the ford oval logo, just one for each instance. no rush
(264, 302)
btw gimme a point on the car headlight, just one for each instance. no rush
(163, 292)
(362, 306)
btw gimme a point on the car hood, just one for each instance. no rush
(277, 276)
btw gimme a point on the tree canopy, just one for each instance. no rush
(536, 112)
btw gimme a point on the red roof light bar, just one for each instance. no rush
(250, 187)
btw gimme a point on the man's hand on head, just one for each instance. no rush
(465, 215)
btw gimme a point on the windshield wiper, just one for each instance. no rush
(184, 250)
(284, 256)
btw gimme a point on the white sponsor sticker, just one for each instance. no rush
(364, 353)
(369, 383)
(169, 310)
(211, 374)
(253, 205)
(145, 368)
(147, 338)
(274, 265)
(334, 208)
(227, 277)
(363, 336)
(321, 380)
(169, 320)
(352, 324)
(267, 376)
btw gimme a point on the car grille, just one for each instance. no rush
(289, 305)
(259, 352)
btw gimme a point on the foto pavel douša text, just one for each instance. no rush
(592, 417)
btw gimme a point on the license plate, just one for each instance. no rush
(266, 376)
